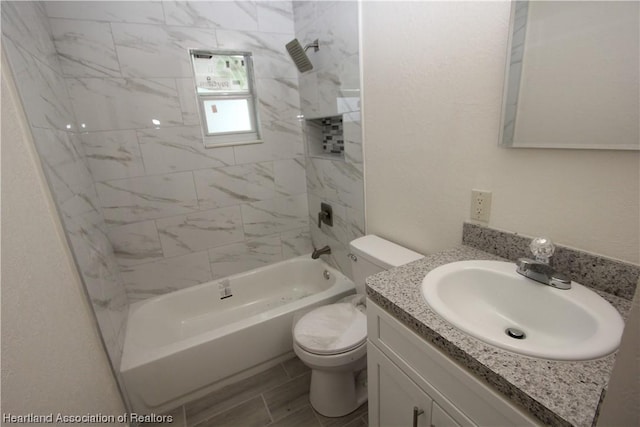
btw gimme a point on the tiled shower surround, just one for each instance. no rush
(179, 214)
(331, 89)
(146, 208)
(28, 44)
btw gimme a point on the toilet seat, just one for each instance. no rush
(331, 329)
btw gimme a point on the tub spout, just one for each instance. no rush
(317, 252)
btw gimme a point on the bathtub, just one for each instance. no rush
(182, 345)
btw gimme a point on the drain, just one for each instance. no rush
(515, 333)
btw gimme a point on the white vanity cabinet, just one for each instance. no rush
(411, 383)
(398, 401)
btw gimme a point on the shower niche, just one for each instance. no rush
(325, 137)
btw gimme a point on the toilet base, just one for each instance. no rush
(335, 394)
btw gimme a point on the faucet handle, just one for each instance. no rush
(542, 248)
(325, 215)
(322, 215)
(560, 281)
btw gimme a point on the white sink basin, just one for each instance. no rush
(484, 298)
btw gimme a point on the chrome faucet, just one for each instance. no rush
(543, 273)
(317, 252)
(539, 269)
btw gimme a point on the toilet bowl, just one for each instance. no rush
(332, 339)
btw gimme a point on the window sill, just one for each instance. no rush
(212, 144)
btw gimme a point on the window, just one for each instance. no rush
(226, 97)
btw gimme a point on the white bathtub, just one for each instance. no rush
(181, 345)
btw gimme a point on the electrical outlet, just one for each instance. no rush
(480, 205)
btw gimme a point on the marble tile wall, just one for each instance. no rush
(333, 88)
(27, 40)
(178, 214)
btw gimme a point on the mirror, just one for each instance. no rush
(572, 75)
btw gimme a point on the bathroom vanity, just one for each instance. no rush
(423, 371)
(413, 383)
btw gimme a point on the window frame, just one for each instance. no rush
(221, 139)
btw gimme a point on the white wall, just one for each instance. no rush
(432, 94)
(52, 358)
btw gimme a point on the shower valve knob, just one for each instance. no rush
(325, 215)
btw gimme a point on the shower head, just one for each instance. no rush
(297, 53)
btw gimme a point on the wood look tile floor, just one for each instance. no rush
(277, 397)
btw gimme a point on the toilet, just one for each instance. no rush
(332, 339)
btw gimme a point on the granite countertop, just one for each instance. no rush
(555, 392)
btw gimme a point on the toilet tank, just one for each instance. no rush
(373, 255)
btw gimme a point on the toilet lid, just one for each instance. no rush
(331, 329)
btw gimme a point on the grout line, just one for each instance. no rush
(251, 397)
(215, 414)
(303, 374)
(315, 414)
(279, 384)
(291, 414)
(184, 415)
(294, 376)
(285, 370)
(264, 402)
(300, 374)
(164, 15)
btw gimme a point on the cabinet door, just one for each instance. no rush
(393, 395)
(439, 418)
